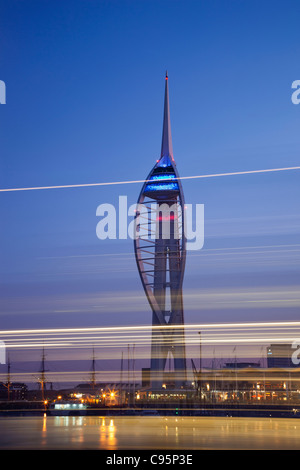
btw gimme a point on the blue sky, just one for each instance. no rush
(85, 85)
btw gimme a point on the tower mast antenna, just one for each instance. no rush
(42, 380)
(93, 375)
(8, 377)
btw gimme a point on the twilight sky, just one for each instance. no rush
(84, 104)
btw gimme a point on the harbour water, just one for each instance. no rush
(148, 432)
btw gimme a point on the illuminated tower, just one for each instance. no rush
(160, 249)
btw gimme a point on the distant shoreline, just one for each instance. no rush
(230, 410)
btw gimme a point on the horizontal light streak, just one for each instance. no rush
(293, 250)
(113, 377)
(117, 372)
(269, 170)
(103, 343)
(255, 247)
(146, 332)
(219, 334)
(149, 327)
(234, 341)
(127, 254)
(127, 302)
(37, 345)
(145, 335)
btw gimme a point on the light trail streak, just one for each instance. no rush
(116, 338)
(148, 343)
(150, 327)
(191, 339)
(188, 334)
(125, 338)
(111, 183)
(207, 251)
(113, 376)
(19, 339)
(41, 345)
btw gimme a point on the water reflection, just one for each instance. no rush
(44, 430)
(44, 423)
(108, 434)
(111, 433)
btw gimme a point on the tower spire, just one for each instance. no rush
(166, 145)
(161, 263)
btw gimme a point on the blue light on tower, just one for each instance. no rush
(162, 187)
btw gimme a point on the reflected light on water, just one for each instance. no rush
(44, 423)
(108, 435)
(112, 433)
